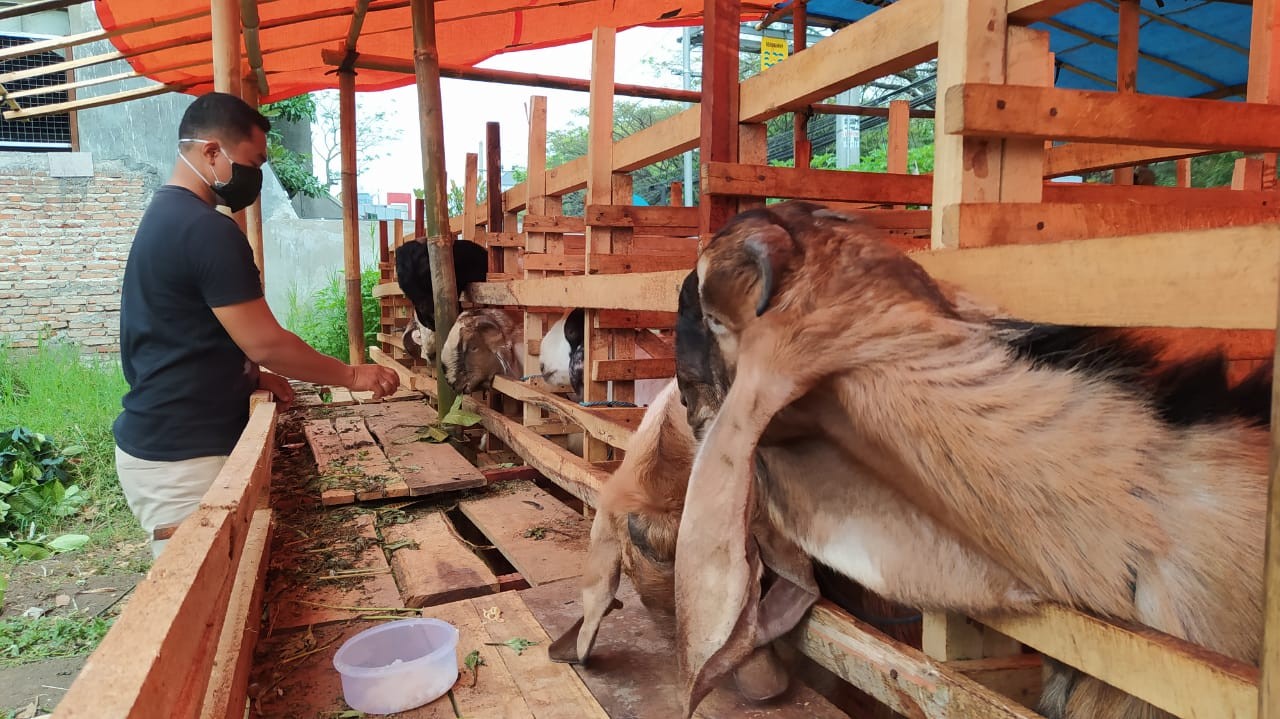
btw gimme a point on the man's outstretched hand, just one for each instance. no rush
(372, 377)
(278, 386)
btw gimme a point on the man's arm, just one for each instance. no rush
(254, 328)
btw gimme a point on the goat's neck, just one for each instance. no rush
(1050, 473)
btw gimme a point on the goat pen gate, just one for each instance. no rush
(1192, 264)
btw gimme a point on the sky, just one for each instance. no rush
(468, 105)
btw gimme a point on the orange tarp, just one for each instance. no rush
(293, 32)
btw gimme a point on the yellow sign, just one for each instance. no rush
(772, 50)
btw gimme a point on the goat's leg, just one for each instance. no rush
(599, 588)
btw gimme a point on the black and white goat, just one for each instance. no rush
(413, 274)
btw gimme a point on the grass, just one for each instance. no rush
(321, 320)
(24, 640)
(51, 389)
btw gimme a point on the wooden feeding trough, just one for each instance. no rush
(1194, 266)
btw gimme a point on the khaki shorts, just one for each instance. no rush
(162, 493)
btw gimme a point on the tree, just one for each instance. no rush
(294, 169)
(373, 131)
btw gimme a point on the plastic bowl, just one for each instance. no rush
(398, 665)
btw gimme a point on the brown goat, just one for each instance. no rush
(1068, 478)
(482, 344)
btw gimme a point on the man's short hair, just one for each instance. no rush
(221, 114)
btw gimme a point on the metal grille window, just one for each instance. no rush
(50, 132)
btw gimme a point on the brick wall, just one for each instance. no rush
(64, 241)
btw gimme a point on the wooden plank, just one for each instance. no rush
(655, 346)
(1176, 676)
(1017, 677)
(989, 110)
(552, 223)
(1221, 278)
(898, 675)
(504, 239)
(328, 452)
(631, 672)
(1027, 62)
(440, 568)
(374, 476)
(1217, 197)
(244, 480)
(1077, 158)
(615, 370)
(316, 600)
(610, 264)
(723, 178)
(177, 613)
(512, 522)
(681, 218)
(899, 126)
(652, 291)
(989, 224)
(229, 680)
(623, 319)
(550, 689)
(426, 467)
(602, 430)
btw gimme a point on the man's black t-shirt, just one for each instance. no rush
(190, 383)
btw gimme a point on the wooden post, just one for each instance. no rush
(1127, 68)
(470, 188)
(493, 191)
(426, 61)
(1184, 172)
(899, 131)
(971, 48)
(253, 213)
(675, 196)
(537, 204)
(225, 36)
(1264, 86)
(719, 116)
(599, 240)
(803, 147)
(350, 214)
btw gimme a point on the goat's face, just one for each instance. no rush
(786, 255)
(478, 347)
(700, 371)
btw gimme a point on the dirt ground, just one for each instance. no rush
(94, 582)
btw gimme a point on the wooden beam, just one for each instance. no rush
(726, 178)
(899, 129)
(588, 419)
(37, 6)
(989, 110)
(444, 284)
(1174, 675)
(989, 224)
(510, 77)
(656, 291)
(719, 117)
(898, 675)
(113, 98)
(802, 147)
(493, 192)
(1218, 278)
(633, 369)
(1077, 158)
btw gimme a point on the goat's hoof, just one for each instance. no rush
(761, 677)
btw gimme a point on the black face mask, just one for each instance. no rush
(240, 190)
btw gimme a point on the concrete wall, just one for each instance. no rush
(63, 245)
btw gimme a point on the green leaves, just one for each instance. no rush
(36, 491)
(457, 416)
(516, 644)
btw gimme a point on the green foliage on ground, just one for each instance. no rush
(57, 452)
(321, 319)
(25, 640)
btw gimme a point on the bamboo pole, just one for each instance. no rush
(511, 77)
(225, 19)
(350, 218)
(253, 45)
(253, 213)
(493, 191)
(39, 6)
(444, 285)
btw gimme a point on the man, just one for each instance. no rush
(194, 324)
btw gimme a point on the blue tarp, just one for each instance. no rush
(1176, 57)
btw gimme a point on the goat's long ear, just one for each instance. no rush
(769, 247)
(599, 587)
